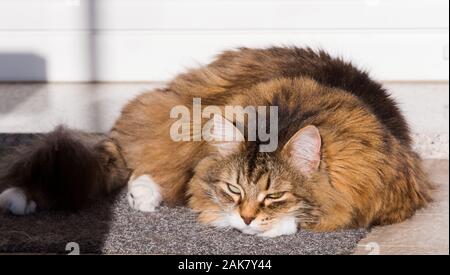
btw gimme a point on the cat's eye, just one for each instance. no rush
(275, 196)
(233, 189)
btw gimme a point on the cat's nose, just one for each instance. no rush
(247, 219)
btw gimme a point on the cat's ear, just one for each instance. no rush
(223, 135)
(303, 150)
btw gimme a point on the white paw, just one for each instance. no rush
(15, 201)
(285, 226)
(144, 194)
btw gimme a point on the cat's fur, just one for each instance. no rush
(64, 169)
(344, 157)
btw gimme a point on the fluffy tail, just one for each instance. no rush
(64, 169)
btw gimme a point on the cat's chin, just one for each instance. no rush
(283, 226)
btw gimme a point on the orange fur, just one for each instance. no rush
(368, 173)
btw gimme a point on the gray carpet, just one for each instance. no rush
(111, 227)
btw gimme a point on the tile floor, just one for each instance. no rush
(426, 233)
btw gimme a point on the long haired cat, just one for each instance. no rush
(343, 159)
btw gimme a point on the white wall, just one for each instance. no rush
(151, 40)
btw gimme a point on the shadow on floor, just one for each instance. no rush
(19, 67)
(51, 231)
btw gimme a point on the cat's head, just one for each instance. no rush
(257, 193)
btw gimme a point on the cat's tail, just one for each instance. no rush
(64, 169)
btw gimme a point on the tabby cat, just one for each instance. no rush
(344, 156)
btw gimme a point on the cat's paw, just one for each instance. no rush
(144, 194)
(285, 226)
(15, 201)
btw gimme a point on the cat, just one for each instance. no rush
(344, 157)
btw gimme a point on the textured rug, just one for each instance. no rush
(111, 227)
